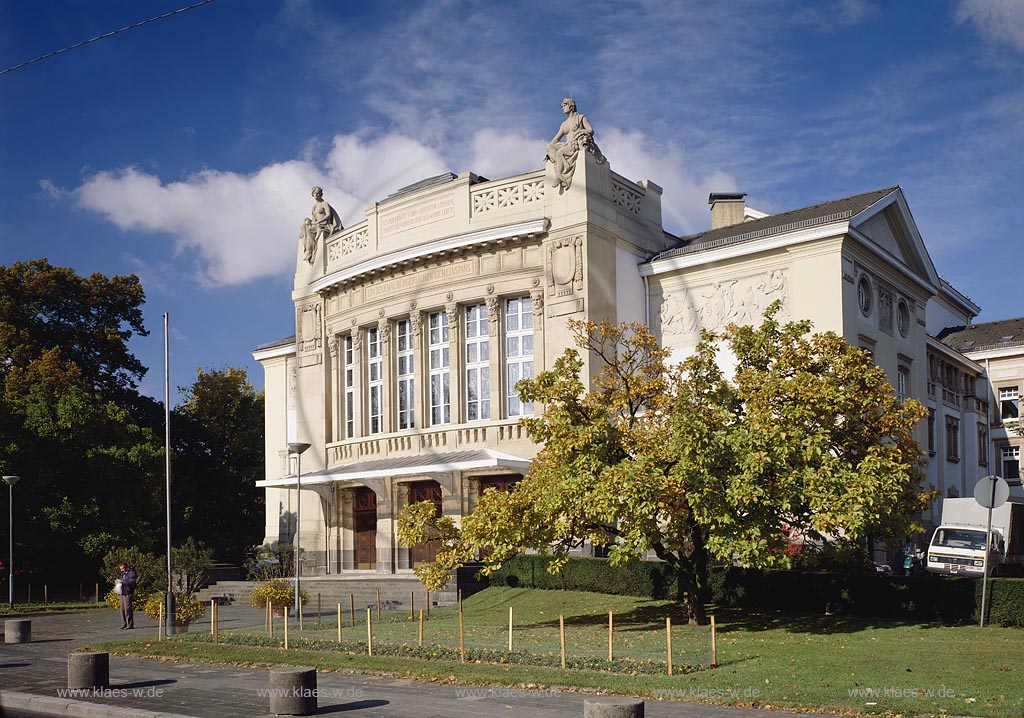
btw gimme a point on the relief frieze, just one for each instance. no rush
(714, 306)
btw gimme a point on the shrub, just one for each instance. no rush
(186, 607)
(192, 565)
(151, 570)
(278, 591)
(652, 579)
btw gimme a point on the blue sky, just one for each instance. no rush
(184, 150)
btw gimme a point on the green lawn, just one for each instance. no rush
(828, 663)
(24, 609)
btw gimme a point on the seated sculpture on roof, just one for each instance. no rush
(322, 222)
(578, 135)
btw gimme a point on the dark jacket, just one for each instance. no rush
(128, 581)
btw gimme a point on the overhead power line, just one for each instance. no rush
(106, 35)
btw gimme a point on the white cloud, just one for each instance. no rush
(999, 21)
(501, 154)
(245, 226)
(684, 204)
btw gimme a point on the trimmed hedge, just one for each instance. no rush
(650, 579)
(928, 598)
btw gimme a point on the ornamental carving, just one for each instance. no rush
(537, 301)
(308, 329)
(416, 318)
(384, 329)
(685, 312)
(565, 266)
(452, 310)
(492, 316)
(357, 343)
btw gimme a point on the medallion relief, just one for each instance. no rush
(565, 266)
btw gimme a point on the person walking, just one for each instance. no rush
(127, 583)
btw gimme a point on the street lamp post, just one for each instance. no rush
(11, 481)
(297, 448)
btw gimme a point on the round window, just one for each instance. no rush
(903, 318)
(864, 294)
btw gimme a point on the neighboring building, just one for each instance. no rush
(413, 326)
(998, 347)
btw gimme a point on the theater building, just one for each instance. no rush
(413, 326)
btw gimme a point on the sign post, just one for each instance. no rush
(991, 492)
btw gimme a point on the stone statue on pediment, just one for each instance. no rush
(574, 136)
(322, 223)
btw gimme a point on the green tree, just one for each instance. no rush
(71, 422)
(218, 457)
(806, 436)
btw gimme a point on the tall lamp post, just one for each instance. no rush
(11, 481)
(297, 448)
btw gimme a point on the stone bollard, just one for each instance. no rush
(613, 707)
(292, 690)
(88, 670)
(18, 631)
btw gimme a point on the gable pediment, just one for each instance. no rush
(889, 226)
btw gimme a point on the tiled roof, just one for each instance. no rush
(773, 224)
(986, 335)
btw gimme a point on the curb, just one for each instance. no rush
(51, 705)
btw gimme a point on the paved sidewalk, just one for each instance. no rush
(33, 676)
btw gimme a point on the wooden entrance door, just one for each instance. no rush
(365, 515)
(425, 491)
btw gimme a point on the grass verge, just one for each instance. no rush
(823, 663)
(34, 609)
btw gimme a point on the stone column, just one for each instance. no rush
(333, 380)
(497, 354)
(455, 362)
(346, 528)
(385, 491)
(387, 375)
(539, 350)
(421, 375)
(358, 382)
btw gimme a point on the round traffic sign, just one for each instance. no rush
(991, 492)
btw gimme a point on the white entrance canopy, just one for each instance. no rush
(423, 465)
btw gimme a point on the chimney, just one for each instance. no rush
(726, 208)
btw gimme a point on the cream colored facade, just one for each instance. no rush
(458, 266)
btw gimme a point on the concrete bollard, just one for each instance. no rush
(88, 670)
(292, 690)
(18, 630)
(613, 707)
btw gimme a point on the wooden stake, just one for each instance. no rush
(462, 634)
(160, 622)
(352, 608)
(668, 638)
(97, 593)
(46, 594)
(300, 614)
(427, 601)
(339, 622)
(29, 594)
(286, 628)
(610, 659)
(421, 629)
(266, 616)
(714, 648)
(213, 610)
(81, 593)
(510, 629)
(412, 605)
(318, 608)
(369, 633)
(270, 611)
(561, 636)
(378, 604)
(216, 622)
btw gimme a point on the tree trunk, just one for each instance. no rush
(695, 579)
